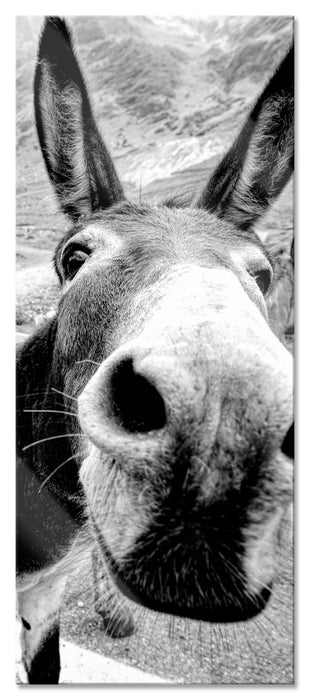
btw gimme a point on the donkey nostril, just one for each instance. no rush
(287, 446)
(135, 402)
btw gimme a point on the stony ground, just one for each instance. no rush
(260, 651)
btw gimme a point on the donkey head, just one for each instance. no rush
(185, 393)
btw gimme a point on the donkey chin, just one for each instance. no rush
(181, 534)
(181, 555)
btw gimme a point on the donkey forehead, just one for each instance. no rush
(187, 233)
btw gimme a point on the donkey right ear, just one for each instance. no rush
(260, 161)
(78, 163)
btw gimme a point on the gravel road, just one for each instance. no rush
(260, 651)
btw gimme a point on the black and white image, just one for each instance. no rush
(154, 328)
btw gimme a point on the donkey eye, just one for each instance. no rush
(72, 260)
(263, 279)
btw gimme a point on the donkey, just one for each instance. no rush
(155, 408)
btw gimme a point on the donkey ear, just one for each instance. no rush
(77, 161)
(261, 160)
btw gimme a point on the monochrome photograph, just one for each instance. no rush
(155, 343)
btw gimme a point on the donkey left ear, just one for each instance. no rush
(261, 160)
(78, 162)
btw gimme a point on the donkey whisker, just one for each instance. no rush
(212, 650)
(51, 437)
(57, 391)
(246, 637)
(260, 627)
(80, 362)
(77, 454)
(272, 622)
(31, 393)
(48, 410)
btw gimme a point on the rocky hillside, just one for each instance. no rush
(168, 92)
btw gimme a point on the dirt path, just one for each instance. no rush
(259, 651)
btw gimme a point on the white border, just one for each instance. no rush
(7, 115)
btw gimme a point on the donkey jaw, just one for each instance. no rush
(175, 546)
(243, 609)
(204, 585)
